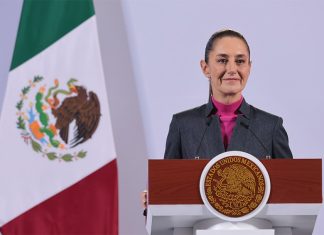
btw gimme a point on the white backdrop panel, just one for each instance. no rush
(167, 40)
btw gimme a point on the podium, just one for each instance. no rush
(176, 208)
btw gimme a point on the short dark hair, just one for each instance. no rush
(219, 35)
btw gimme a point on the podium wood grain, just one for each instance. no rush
(292, 181)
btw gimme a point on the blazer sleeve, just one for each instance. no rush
(173, 142)
(280, 142)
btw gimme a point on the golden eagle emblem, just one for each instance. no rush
(234, 186)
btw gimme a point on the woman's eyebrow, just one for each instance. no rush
(222, 55)
(240, 56)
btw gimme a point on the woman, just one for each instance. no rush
(227, 122)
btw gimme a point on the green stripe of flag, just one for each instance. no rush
(43, 22)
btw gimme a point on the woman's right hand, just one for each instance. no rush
(144, 199)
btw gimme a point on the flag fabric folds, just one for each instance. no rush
(58, 170)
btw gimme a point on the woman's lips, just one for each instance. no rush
(231, 79)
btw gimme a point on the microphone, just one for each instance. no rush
(258, 139)
(208, 121)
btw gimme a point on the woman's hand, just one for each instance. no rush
(144, 201)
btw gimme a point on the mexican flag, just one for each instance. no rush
(58, 172)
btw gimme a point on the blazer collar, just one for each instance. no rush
(244, 109)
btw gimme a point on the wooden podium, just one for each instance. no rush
(175, 205)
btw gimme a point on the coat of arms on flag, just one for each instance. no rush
(54, 119)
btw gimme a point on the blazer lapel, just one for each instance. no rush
(240, 132)
(239, 136)
(213, 141)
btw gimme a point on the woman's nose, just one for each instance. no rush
(231, 67)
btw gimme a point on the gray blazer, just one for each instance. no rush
(197, 132)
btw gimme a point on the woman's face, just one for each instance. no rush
(228, 68)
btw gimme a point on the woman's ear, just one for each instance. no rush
(205, 69)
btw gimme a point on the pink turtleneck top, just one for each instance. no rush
(227, 116)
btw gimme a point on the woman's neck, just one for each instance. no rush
(227, 99)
